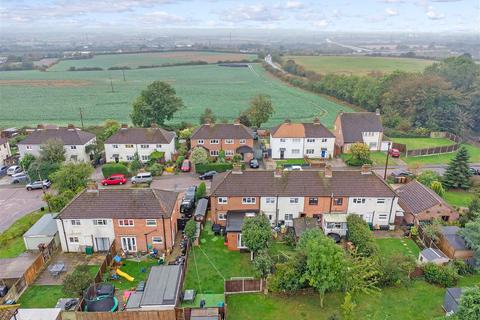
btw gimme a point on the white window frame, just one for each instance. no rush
(309, 151)
(310, 140)
(200, 141)
(121, 223)
(129, 146)
(381, 201)
(115, 146)
(359, 200)
(28, 147)
(222, 200)
(148, 222)
(73, 239)
(73, 147)
(145, 146)
(243, 141)
(287, 216)
(295, 151)
(229, 141)
(100, 222)
(229, 153)
(133, 243)
(324, 139)
(214, 141)
(383, 216)
(270, 200)
(157, 240)
(214, 153)
(145, 157)
(158, 146)
(294, 200)
(222, 216)
(129, 158)
(283, 140)
(249, 200)
(75, 222)
(296, 140)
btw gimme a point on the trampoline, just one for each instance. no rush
(102, 304)
(100, 297)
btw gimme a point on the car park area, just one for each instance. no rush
(17, 202)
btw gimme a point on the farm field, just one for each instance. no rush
(359, 65)
(32, 97)
(133, 60)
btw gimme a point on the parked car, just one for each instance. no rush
(394, 153)
(13, 170)
(254, 164)
(401, 173)
(186, 166)
(208, 175)
(114, 179)
(293, 168)
(475, 171)
(142, 177)
(188, 201)
(21, 177)
(38, 185)
(3, 170)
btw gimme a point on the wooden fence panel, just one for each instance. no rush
(243, 285)
(124, 315)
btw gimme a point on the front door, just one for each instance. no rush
(103, 244)
(324, 153)
(282, 153)
(129, 244)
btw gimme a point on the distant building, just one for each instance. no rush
(5, 151)
(353, 127)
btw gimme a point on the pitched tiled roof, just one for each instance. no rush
(222, 131)
(141, 135)
(300, 183)
(134, 203)
(415, 198)
(301, 130)
(67, 136)
(354, 123)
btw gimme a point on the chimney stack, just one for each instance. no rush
(124, 126)
(316, 120)
(71, 127)
(237, 168)
(288, 121)
(377, 111)
(92, 187)
(236, 121)
(367, 169)
(278, 172)
(328, 171)
(40, 127)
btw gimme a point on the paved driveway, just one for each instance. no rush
(17, 202)
(179, 182)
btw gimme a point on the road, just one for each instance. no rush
(357, 49)
(268, 59)
(15, 202)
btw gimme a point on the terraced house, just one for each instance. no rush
(232, 138)
(330, 196)
(123, 145)
(138, 219)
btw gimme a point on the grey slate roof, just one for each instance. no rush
(452, 299)
(299, 183)
(415, 198)
(235, 220)
(3, 140)
(134, 203)
(450, 233)
(67, 136)
(433, 254)
(163, 286)
(141, 135)
(302, 224)
(222, 131)
(45, 226)
(354, 123)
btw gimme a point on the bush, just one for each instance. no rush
(461, 267)
(157, 157)
(288, 276)
(201, 190)
(219, 167)
(114, 168)
(263, 264)
(395, 270)
(446, 276)
(179, 161)
(190, 230)
(77, 281)
(360, 235)
(156, 169)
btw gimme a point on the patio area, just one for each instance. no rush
(70, 261)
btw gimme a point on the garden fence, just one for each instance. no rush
(243, 285)
(434, 150)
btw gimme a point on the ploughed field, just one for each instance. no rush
(32, 97)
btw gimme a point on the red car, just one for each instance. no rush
(186, 166)
(395, 153)
(114, 179)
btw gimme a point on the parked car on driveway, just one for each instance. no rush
(208, 175)
(254, 164)
(394, 153)
(114, 179)
(38, 185)
(188, 201)
(142, 177)
(186, 166)
(13, 170)
(21, 177)
(293, 168)
(3, 170)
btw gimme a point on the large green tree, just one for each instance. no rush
(457, 175)
(52, 151)
(199, 155)
(71, 176)
(256, 232)
(471, 234)
(156, 104)
(469, 307)
(261, 108)
(207, 116)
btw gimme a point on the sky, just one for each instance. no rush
(320, 15)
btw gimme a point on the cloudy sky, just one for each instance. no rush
(320, 15)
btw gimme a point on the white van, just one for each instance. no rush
(142, 177)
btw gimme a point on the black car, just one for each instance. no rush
(254, 164)
(188, 202)
(208, 175)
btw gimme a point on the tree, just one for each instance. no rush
(307, 236)
(244, 119)
(473, 212)
(199, 155)
(135, 164)
(360, 235)
(110, 127)
(52, 151)
(362, 274)
(288, 275)
(432, 230)
(263, 264)
(190, 230)
(71, 176)
(458, 172)
(157, 103)
(360, 154)
(26, 161)
(471, 234)
(469, 307)
(260, 110)
(438, 188)
(427, 177)
(40, 170)
(201, 191)
(325, 267)
(57, 202)
(256, 233)
(207, 116)
(395, 269)
(77, 281)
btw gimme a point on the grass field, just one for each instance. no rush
(392, 246)
(134, 60)
(422, 143)
(358, 65)
(458, 198)
(444, 158)
(37, 296)
(30, 97)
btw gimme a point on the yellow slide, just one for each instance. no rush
(124, 275)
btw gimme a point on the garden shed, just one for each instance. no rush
(451, 300)
(432, 255)
(42, 232)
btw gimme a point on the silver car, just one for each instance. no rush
(142, 177)
(20, 178)
(38, 185)
(13, 170)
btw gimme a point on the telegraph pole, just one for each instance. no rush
(81, 116)
(386, 162)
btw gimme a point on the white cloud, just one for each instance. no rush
(321, 23)
(294, 5)
(392, 1)
(162, 17)
(391, 12)
(253, 13)
(434, 15)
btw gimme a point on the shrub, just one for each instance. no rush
(114, 168)
(263, 264)
(360, 235)
(201, 190)
(179, 161)
(156, 156)
(288, 276)
(190, 230)
(461, 267)
(78, 280)
(156, 169)
(199, 155)
(446, 276)
(216, 166)
(395, 270)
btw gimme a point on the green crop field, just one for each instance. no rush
(32, 97)
(359, 65)
(133, 60)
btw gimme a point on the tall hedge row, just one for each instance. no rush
(360, 235)
(114, 168)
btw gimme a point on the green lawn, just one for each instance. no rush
(469, 280)
(444, 158)
(378, 158)
(421, 301)
(211, 262)
(134, 269)
(37, 296)
(279, 249)
(422, 143)
(458, 198)
(392, 246)
(290, 162)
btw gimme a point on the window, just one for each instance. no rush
(249, 214)
(310, 151)
(359, 200)
(310, 140)
(151, 222)
(288, 217)
(115, 146)
(200, 141)
(338, 201)
(129, 146)
(144, 146)
(243, 141)
(296, 140)
(372, 145)
(159, 146)
(380, 201)
(229, 153)
(214, 141)
(295, 151)
(100, 222)
(222, 200)
(73, 147)
(283, 139)
(249, 200)
(270, 200)
(73, 239)
(75, 222)
(29, 147)
(129, 158)
(125, 223)
(293, 200)
(214, 153)
(382, 217)
(228, 141)
(324, 139)
(313, 201)
(157, 240)
(334, 225)
(145, 157)
(222, 216)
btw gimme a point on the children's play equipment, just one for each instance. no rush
(124, 275)
(100, 297)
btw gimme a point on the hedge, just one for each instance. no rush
(215, 166)
(114, 168)
(360, 235)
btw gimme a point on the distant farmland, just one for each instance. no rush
(134, 60)
(359, 65)
(30, 97)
